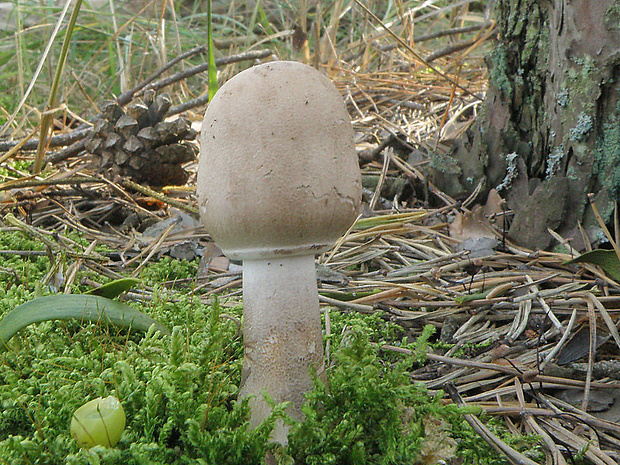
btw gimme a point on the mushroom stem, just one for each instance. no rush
(282, 335)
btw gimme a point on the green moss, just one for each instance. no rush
(561, 248)
(180, 392)
(498, 73)
(169, 269)
(360, 419)
(19, 275)
(542, 59)
(532, 37)
(514, 19)
(373, 414)
(20, 165)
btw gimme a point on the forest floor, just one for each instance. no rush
(520, 335)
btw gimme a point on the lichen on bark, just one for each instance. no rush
(552, 100)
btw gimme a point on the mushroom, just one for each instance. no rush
(278, 183)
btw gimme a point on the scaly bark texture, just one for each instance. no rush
(550, 130)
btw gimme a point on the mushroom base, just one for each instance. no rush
(282, 335)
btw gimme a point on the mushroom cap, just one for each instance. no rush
(278, 172)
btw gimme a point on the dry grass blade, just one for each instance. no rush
(512, 455)
(552, 448)
(590, 451)
(412, 51)
(611, 326)
(38, 70)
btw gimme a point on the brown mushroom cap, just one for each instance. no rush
(278, 171)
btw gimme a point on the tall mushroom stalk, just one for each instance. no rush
(278, 182)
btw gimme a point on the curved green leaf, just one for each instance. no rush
(114, 288)
(80, 307)
(606, 259)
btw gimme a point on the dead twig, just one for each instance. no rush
(511, 454)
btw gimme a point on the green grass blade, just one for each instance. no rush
(212, 81)
(114, 288)
(46, 119)
(79, 307)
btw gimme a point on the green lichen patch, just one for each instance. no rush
(607, 155)
(511, 172)
(582, 82)
(612, 16)
(554, 160)
(499, 72)
(583, 127)
(445, 163)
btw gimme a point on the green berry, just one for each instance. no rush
(98, 422)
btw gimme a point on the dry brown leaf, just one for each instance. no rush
(495, 204)
(471, 225)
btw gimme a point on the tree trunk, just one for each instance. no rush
(550, 130)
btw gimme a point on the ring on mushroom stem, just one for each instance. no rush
(278, 182)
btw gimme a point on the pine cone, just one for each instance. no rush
(138, 143)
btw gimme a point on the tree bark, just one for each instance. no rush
(549, 133)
